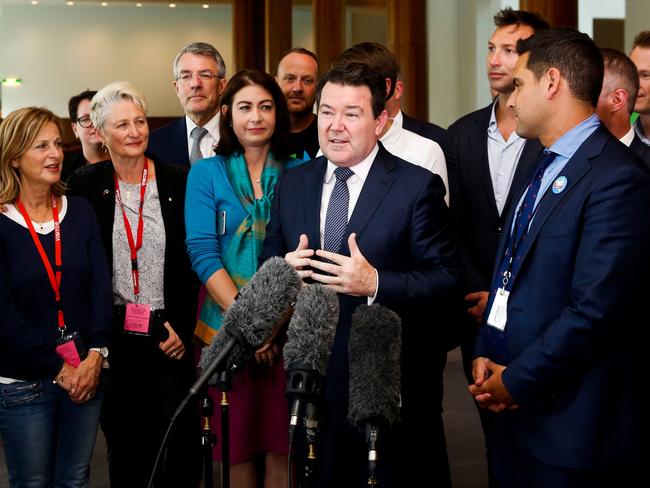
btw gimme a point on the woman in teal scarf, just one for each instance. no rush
(226, 211)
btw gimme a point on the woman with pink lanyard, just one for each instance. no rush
(139, 203)
(55, 310)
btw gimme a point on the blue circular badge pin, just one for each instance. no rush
(559, 184)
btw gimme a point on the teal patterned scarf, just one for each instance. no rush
(240, 259)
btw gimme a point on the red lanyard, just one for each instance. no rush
(129, 234)
(55, 278)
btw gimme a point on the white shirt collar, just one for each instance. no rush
(212, 126)
(360, 169)
(44, 228)
(628, 138)
(399, 119)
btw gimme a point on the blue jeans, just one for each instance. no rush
(48, 439)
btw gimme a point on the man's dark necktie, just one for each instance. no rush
(336, 219)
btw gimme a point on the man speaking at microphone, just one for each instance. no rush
(374, 228)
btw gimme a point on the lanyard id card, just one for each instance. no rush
(499, 312)
(71, 349)
(137, 319)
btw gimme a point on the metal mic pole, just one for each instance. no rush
(208, 440)
(225, 384)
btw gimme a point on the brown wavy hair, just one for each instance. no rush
(17, 133)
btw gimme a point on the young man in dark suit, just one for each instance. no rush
(560, 357)
(199, 79)
(396, 250)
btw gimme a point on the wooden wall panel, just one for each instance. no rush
(328, 30)
(249, 34)
(558, 13)
(278, 32)
(407, 40)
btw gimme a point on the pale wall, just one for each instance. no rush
(59, 51)
(637, 19)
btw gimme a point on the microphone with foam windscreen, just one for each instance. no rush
(310, 336)
(261, 306)
(374, 360)
(262, 303)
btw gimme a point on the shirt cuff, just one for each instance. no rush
(372, 299)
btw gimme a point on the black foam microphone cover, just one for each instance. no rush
(249, 321)
(374, 360)
(311, 330)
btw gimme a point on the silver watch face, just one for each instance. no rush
(103, 352)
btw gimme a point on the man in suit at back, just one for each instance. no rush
(374, 228)
(640, 56)
(199, 79)
(560, 357)
(488, 163)
(617, 99)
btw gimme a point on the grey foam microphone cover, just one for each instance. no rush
(374, 360)
(312, 328)
(261, 303)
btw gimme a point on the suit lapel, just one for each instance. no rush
(180, 135)
(530, 154)
(479, 145)
(312, 191)
(574, 170)
(377, 184)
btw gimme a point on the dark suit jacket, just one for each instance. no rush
(576, 342)
(402, 227)
(169, 143)
(639, 148)
(95, 183)
(477, 221)
(428, 130)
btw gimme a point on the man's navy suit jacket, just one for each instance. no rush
(576, 342)
(476, 217)
(402, 227)
(169, 143)
(639, 148)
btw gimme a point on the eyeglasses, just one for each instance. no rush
(203, 75)
(85, 122)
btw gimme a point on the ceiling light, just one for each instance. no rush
(205, 5)
(12, 82)
(172, 5)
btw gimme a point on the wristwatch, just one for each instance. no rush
(102, 351)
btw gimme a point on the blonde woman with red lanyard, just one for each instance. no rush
(139, 202)
(55, 310)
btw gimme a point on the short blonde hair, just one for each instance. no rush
(17, 133)
(114, 92)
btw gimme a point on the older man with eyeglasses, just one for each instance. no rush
(199, 79)
(92, 149)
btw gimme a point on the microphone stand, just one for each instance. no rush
(303, 387)
(372, 434)
(208, 440)
(311, 434)
(225, 385)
